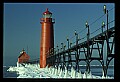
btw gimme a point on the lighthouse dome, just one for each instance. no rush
(47, 12)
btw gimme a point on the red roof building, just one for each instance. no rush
(23, 57)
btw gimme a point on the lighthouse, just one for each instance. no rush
(47, 37)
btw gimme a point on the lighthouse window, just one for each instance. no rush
(47, 16)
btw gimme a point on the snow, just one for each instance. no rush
(34, 71)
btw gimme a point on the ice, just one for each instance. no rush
(79, 74)
(60, 73)
(73, 73)
(34, 71)
(66, 72)
(4, 66)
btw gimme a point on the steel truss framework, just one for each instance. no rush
(64, 57)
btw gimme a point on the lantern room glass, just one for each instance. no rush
(47, 16)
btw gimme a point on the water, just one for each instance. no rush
(7, 74)
(97, 70)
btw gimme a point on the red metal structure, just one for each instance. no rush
(47, 37)
(23, 57)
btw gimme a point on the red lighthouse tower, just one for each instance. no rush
(47, 36)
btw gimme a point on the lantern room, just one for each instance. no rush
(47, 14)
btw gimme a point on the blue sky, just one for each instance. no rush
(22, 28)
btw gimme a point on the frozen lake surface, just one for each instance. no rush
(34, 71)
